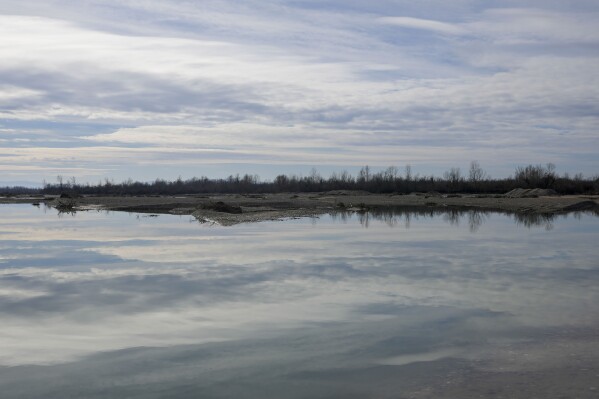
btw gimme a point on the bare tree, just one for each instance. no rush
(408, 172)
(476, 173)
(345, 177)
(536, 176)
(453, 177)
(391, 173)
(281, 180)
(315, 177)
(364, 174)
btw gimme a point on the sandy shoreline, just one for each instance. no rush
(260, 207)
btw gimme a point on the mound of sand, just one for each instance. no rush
(530, 193)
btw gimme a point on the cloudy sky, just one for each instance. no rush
(148, 89)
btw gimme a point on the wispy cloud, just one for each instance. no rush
(424, 24)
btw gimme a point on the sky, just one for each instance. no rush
(161, 89)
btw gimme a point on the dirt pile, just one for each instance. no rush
(220, 206)
(530, 193)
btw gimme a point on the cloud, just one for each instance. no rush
(240, 80)
(424, 24)
(513, 26)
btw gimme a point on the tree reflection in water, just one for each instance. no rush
(473, 217)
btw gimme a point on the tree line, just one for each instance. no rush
(390, 180)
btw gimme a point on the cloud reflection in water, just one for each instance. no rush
(326, 289)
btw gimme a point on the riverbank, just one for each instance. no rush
(229, 209)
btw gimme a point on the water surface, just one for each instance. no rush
(389, 304)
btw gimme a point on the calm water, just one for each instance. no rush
(389, 305)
